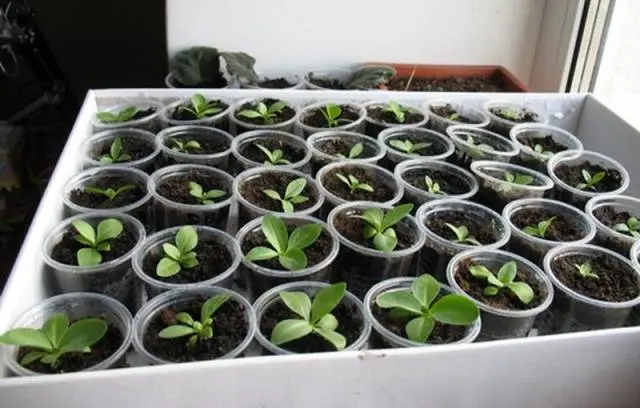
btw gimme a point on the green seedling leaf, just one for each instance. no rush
(379, 225)
(116, 153)
(332, 113)
(539, 230)
(353, 183)
(124, 115)
(590, 180)
(273, 158)
(432, 186)
(521, 179)
(462, 235)
(399, 111)
(297, 302)
(110, 193)
(586, 271)
(407, 146)
(267, 114)
(292, 195)
(95, 243)
(180, 255)
(631, 227)
(505, 279)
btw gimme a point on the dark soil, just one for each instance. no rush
(572, 175)
(287, 113)
(561, 229)
(207, 145)
(546, 142)
(65, 250)
(177, 189)
(382, 193)
(479, 227)
(449, 183)
(213, 259)
(449, 84)
(379, 113)
(229, 329)
(143, 114)
(217, 82)
(523, 115)
(73, 362)
(179, 113)
(253, 191)
(290, 152)
(445, 111)
(315, 118)
(351, 228)
(100, 201)
(434, 149)
(349, 325)
(610, 217)
(616, 281)
(500, 175)
(136, 148)
(275, 83)
(337, 146)
(327, 83)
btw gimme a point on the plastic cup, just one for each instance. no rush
(97, 141)
(372, 150)
(240, 126)
(342, 75)
(149, 123)
(503, 150)
(503, 126)
(220, 120)
(355, 126)
(220, 160)
(373, 126)
(290, 77)
(532, 159)
(394, 156)
(243, 141)
(441, 124)
(606, 236)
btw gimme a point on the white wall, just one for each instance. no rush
(297, 34)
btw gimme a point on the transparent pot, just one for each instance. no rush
(77, 306)
(535, 160)
(381, 337)
(495, 192)
(606, 236)
(307, 130)
(502, 323)
(440, 143)
(269, 298)
(149, 123)
(240, 126)
(634, 319)
(95, 143)
(242, 142)
(220, 160)
(503, 126)
(177, 297)
(373, 126)
(440, 123)
(342, 75)
(503, 149)
(290, 77)
(372, 149)
(220, 120)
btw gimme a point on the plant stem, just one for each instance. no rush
(413, 72)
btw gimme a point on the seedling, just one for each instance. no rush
(509, 114)
(292, 194)
(332, 113)
(408, 146)
(356, 150)
(353, 183)
(522, 179)
(200, 108)
(378, 225)
(56, 338)
(274, 158)
(590, 181)
(203, 197)
(462, 235)
(315, 316)
(110, 193)
(182, 146)
(398, 111)
(432, 186)
(181, 255)
(287, 248)
(116, 153)
(267, 114)
(481, 146)
(586, 271)
(631, 227)
(196, 330)
(540, 150)
(539, 230)
(454, 117)
(124, 115)
(505, 280)
(421, 304)
(96, 241)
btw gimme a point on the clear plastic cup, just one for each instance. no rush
(440, 123)
(606, 236)
(220, 120)
(77, 306)
(502, 323)
(290, 77)
(248, 211)
(96, 142)
(534, 248)
(381, 337)
(495, 192)
(373, 126)
(113, 278)
(149, 123)
(178, 297)
(573, 311)
(363, 267)
(576, 197)
(355, 126)
(532, 159)
(394, 156)
(438, 251)
(503, 126)
(422, 167)
(269, 298)
(219, 160)
(342, 75)
(260, 279)
(255, 136)
(169, 213)
(240, 126)
(503, 149)
(372, 149)
(153, 246)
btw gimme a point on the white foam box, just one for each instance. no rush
(588, 369)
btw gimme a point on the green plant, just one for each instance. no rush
(540, 150)
(378, 225)
(371, 77)
(354, 152)
(196, 330)
(124, 115)
(353, 183)
(586, 271)
(505, 279)
(287, 248)
(267, 114)
(184, 147)
(110, 192)
(408, 146)
(631, 227)
(478, 147)
(56, 338)
(203, 197)
(522, 179)
(201, 65)
(96, 241)
(539, 230)
(274, 158)
(462, 235)
(399, 111)
(432, 186)
(116, 153)
(454, 117)
(200, 108)
(590, 181)
(509, 114)
(181, 255)
(332, 113)
(315, 316)
(292, 194)
(421, 304)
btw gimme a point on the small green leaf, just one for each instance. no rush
(272, 194)
(32, 356)
(385, 242)
(214, 194)
(295, 188)
(88, 257)
(54, 328)
(82, 334)
(106, 117)
(293, 259)
(171, 251)
(481, 272)
(109, 229)
(375, 217)
(85, 230)
(276, 232)
(298, 199)
(508, 176)
(400, 145)
(419, 329)
(596, 178)
(176, 331)
(522, 290)
(289, 330)
(116, 148)
(250, 114)
(356, 150)
(334, 111)
(399, 300)
(326, 300)
(277, 107)
(287, 207)
(425, 289)
(198, 102)
(507, 272)
(395, 215)
(365, 187)
(26, 337)
(167, 267)
(186, 239)
(332, 337)
(454, 309)
(184, 318)
(260, 254)
(304, 236)
(212, 305)
(195, 189)
(328, 322)
(297, 302)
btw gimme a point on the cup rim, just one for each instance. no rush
(409, 105)
(165, 134)
(351, 125)
(478, 168)
(238, 104)
(106, 134)
(393, 131)
(382, 149)
(132, 123)
(239, 140)
(518, 130)
(427, 163)
(544, 118)
(453, 131)
(598, 201)
(164, 114)
(459, 105)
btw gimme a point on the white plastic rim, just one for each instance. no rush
(457, 132)
(442, 166)
(362, 114)
(362, 138)
(169, 83)
(140, 104)
(493, 253)
(165, 113)
(282, 125)
(635, 255)
(567, 138)
(480, 168)
(543, 117)
(568, 249)
(109, 135)
(459, 107)
(363, 205)
(291, 77)
(428, 134)
(148, 311)
(396, 284)
(630, 204)
(267, 298)
(341, 74)
(255, 135)
(412, 109)
(177, 131)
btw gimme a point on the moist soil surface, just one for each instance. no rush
(213, 259)
(351, 228)
(100, 201)
(561, 229)
(217, 82)
(207, 145)
(380, 114)
(275, 83)
(449, 184)
(610, 217)
(521, 115)
(73, 362)
(337, 146)
(445, 111)
(177, 189)
(492, 83)
(349, 325)
(616, 281)
(135, 148)
(287, 113)
(326, 82)
(572, 175)
(65, 250)
(290, 152)
(432, 150)
(253, 191)
(381, 192)
(229, 329)
(316, 119)
(479, 227)
(546, 142)
(179, 113)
